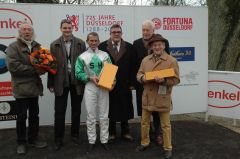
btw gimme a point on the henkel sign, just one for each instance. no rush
(223, 94)
(10, 21)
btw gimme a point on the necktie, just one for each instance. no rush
(115, 49)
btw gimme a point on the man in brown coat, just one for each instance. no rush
(157, 93)
(66, 49)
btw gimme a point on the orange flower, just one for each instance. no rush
(42, 59)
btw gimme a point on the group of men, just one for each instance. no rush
(78, 69)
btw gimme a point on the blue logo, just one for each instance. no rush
(3, 67)
(183, 53)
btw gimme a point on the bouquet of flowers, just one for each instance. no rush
(43, 60)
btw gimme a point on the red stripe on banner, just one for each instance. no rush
(6, 88)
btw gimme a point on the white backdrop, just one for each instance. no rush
(190, 31)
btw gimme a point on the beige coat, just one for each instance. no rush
(151, 100)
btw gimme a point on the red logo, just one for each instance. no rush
(5, 88)
(75, 20)
(173, 23)
(157, 23)
(10, 21)
(223, 94)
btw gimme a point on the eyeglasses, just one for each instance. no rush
(116, 32)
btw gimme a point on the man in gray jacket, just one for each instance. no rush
(27, 87)
(66, 49)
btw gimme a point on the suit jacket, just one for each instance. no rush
(57, 49)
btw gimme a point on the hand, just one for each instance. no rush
(113, 85)
(143, 79)
(94, 80)
(131, 87)
(159, 80)
(40, 71)
(51, 89)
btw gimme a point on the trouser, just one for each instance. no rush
(96, 98)
(60, 113)
(165, 125)
(155, 115)
(113, 129)
(24, 105)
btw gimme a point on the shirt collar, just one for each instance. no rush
(90, 50)
(163, 56)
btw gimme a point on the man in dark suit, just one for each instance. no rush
(66, 49)
(141, 50)
(121, 107)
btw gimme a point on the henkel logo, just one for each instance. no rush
(223, 94)
(173, 23)
(10, 21)
(75, 21)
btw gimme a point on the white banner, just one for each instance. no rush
(224, 94)
(186, 29)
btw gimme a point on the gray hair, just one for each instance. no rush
(23, 23)
(148, 23)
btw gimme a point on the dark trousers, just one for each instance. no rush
(60, 113)
(31, 106)
(113, 129)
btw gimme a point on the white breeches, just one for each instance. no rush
(96, 99)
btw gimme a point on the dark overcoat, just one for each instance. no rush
(121, 107)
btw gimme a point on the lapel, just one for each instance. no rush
(162, 58)
(63, 48)
(121, 52)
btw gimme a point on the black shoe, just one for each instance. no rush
(141, 148)
(58, 146)
(90, 148)
(21, 149)
(168, 154)
(38, 144)
(106, 146)
(128, 137)
(111, 138)
(76, 141)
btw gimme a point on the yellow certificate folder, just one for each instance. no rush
(107, 75)
(161, 74)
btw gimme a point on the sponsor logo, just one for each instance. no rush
(223, 94)
(4, 108)
(157, 22)
(183, 53)
(10, 21)
(3, 67)
(75, 21)
(5, 89)
(8, 110)
(173, 23)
